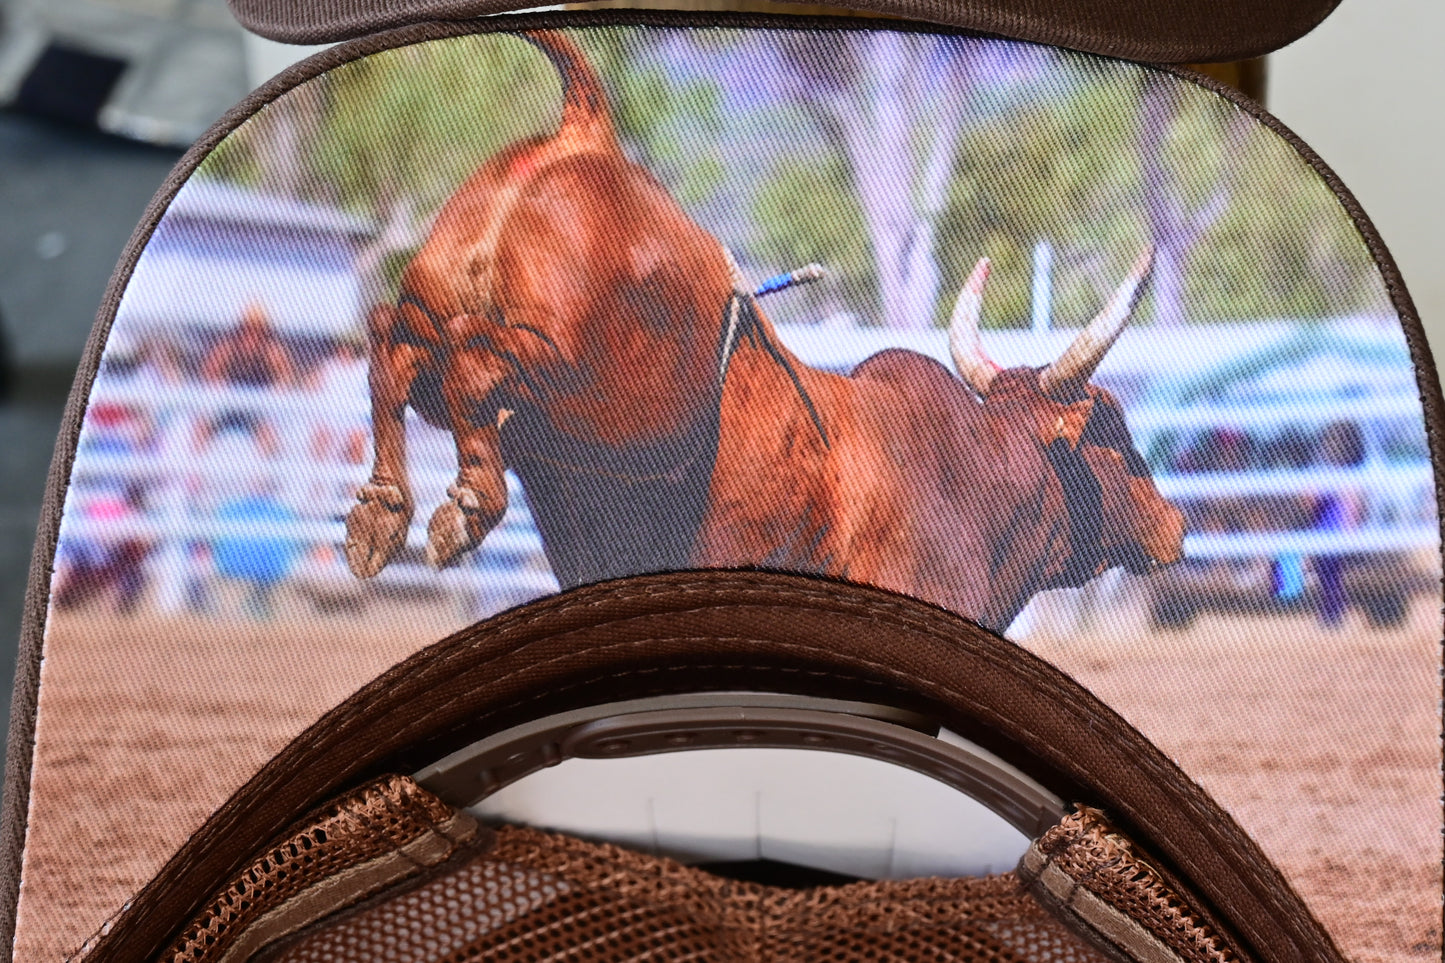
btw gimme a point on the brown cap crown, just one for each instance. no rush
(1158, 31)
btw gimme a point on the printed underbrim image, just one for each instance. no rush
(1078, 350)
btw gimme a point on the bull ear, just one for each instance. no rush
(965, 343)
(1081, 359)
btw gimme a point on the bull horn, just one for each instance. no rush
(1080, 360)
(964, 341)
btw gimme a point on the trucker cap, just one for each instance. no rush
(619, 486)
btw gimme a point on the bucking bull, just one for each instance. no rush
(565, 318)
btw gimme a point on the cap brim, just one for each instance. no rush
(1158, 31)
(702, 631)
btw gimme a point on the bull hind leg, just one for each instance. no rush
(376, 526)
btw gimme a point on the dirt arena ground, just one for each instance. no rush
(1311, 737)
(1323, 745)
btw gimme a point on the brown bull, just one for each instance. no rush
(565, 318)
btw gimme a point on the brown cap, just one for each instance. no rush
(1093, 473)
(1158, 31)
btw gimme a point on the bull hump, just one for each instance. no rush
(522, 173)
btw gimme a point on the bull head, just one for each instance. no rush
(1106, 486)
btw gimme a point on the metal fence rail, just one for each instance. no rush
(184, 488)
(184, 491)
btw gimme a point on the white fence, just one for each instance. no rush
(1398, 494)
(185, 486)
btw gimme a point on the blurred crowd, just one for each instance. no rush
(1327, 507)
(232, 437)
(238, 428)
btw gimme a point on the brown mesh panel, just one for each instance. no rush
(390, 874)
(1094, 855)
(541, 896)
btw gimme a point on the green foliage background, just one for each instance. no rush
(1052, 155)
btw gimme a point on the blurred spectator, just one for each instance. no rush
(251, 355)
(342, 379)
(236, 429)
(154, 361)
(1290, 451)
(258, 560)
(223, 442)
(160, 362)
(1219, 449)
(88, 566)
(115, 429)
(1342, 445)
(1230, 451)
(343, 372)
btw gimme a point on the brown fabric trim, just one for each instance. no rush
(21, 735)
(368, 840)
(1163, 31)
(1089, 873)
(344, 890)
(1120, 938)
(722, 630)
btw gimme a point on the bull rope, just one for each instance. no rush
(743, 320)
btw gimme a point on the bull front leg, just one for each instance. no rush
(475, 503)
(376, 526)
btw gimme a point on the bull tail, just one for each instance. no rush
(584, 102)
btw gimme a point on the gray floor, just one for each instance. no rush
(69, 200)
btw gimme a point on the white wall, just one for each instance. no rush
(1365, 90)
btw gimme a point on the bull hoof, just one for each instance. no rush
(458, 526)
(376, 528)
(447, 538)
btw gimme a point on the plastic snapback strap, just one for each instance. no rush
(752, 720)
